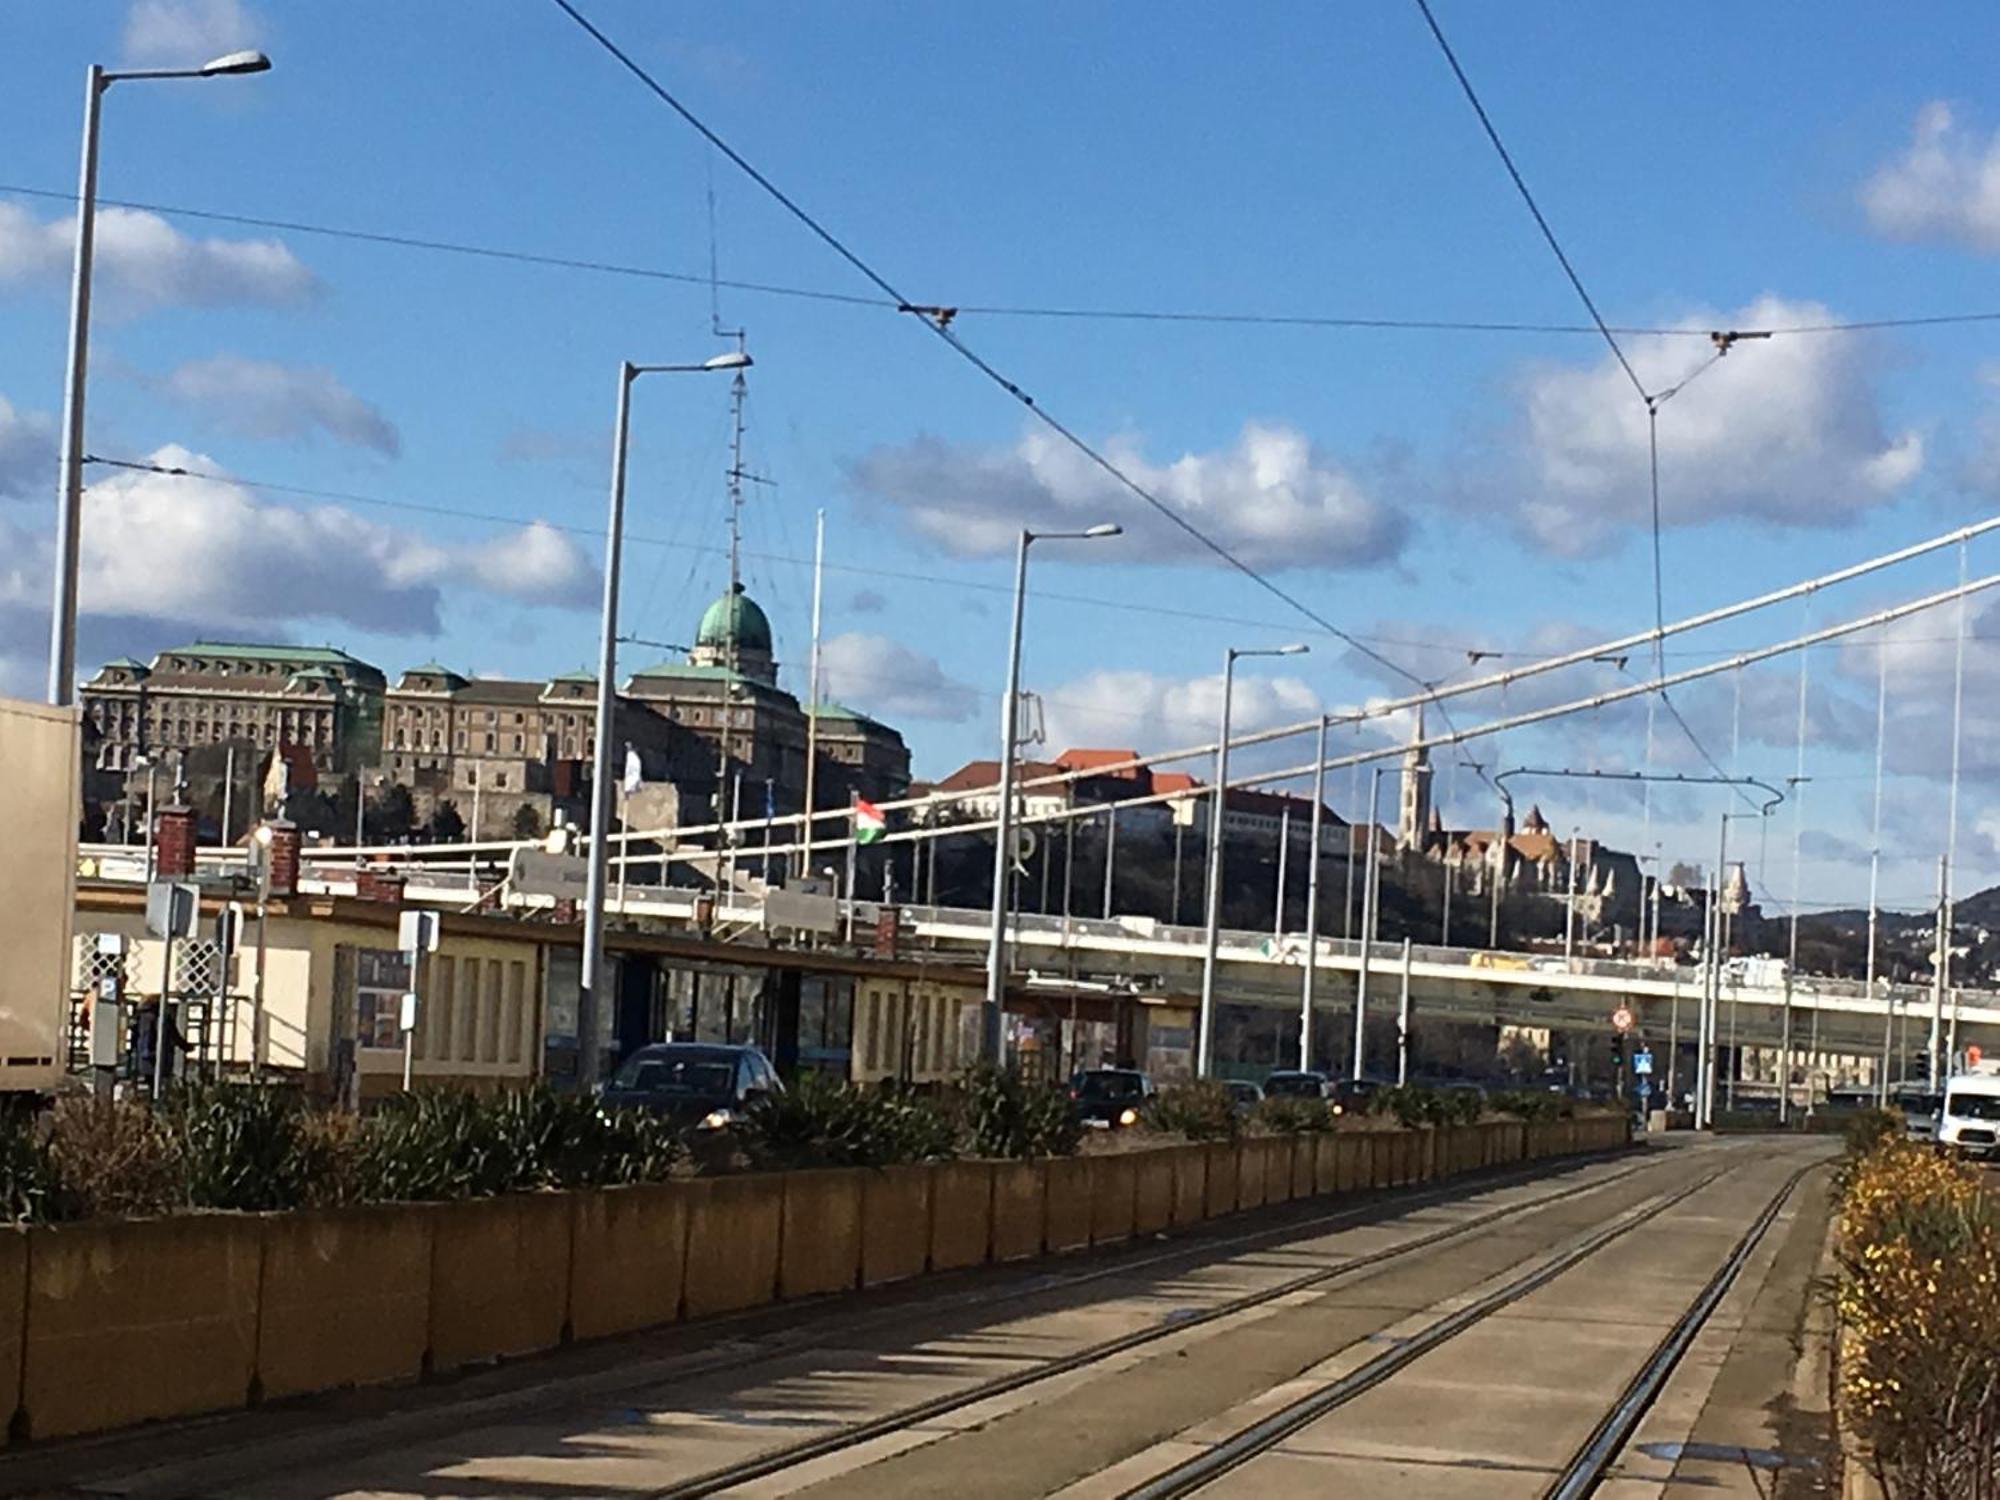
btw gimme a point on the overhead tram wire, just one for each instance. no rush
(938, 322)
(1192, 316)
(1653, 401)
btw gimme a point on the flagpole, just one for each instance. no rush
(812, 700)
(853, 845)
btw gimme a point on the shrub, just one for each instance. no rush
(1530, 1104)
(1292, 1115)
(1870, 1128)
(837, 1124)
(111, 1158)
(1200, 1111)
(239, 1146)
(1001, 1114)
(30, 1192)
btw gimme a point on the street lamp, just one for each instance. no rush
(607, 669)
(1205, 1042)
(1003, 818)
(69, 476)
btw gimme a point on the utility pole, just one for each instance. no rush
(1938, 979)
(1370, 884)
(812, 713)
(1110, 855)
(1312, 902)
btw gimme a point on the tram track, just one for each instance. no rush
(888, 1425)
(1594, 1459)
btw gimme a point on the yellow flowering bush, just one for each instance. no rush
(1919, 1300)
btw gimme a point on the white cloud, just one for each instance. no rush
(891, 679)
(186, 33)
(1146, 711)
(262, 399)
(141, 261)
(1788, 432)
(1272, 498)
(208, 550)
(538, 565)
(27, 452)
(1946, 186)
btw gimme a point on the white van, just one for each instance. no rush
(1969, 1123)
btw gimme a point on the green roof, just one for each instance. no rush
(832, 710)
(735, 617)
(320, 654)
(131, 662)
(581, 674)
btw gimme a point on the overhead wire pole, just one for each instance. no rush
(1792, 944)
(1875, 864)
(1951, 811)
(1312, 902)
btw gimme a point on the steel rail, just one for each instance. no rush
(1592, 1463)
(791, 1455)
(1267, 1433)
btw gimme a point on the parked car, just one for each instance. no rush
(1108, 1098)
(1244, 1094)
(1969, 1123)
(1295, 1085)
(702, 1084)
(1355, 1096)
(1920, 1113)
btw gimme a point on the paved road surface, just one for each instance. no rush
(1464, 1341)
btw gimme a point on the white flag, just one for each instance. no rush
(633, 774)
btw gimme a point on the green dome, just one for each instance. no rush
(735, 616)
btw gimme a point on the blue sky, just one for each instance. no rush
(1704, 165)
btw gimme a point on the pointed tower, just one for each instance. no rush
(1415, 816)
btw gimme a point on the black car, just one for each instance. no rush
(1109, 1097)
(703, 1084)
(1354, 1096)
(1244, 1095)
(1290, 1085)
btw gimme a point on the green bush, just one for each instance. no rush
(30, 1191)
(1200, 1111)
(239, 1146)
(1530, 1104)
(1292, 1115)
(1870, 1128)
(1001, 1114)
(836, 1124)
(1415, 1105)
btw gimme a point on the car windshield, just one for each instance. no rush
(1110, 1086)
(1303, 1084)
(1973, 1106)
(697, 1073)
(1920, 1104)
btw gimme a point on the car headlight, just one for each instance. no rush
(1128, 1117)
(716, 1119)
(1340, 1109)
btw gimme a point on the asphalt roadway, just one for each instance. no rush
(1466, 1341)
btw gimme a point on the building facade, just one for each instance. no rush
(216, 693)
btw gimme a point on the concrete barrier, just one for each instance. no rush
(1278, 1153)
(136, 1321)
(734, 1225)
(1152, 1191)
(1066, 1224)
(1114, 1189)
(1220, 1170)
(344, 1298)
(819, 1245)
(1250, 1160)
(1190, 1183)
(895, 1223)
(1326, 1162)
(1305, 1157)
(628, 1264)
(1350, 1162)
(1020, 1208)
(499, 1276)
(961, 1214)
(13, 1311)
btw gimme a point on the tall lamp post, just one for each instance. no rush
(1205, 1043)
(1003, 816)
(601, 773)
(69, 476)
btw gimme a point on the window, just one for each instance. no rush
(491, 1012)
(489, 742)
(517, 1005)
(519, 741)
(437, 1029)
(499, 781)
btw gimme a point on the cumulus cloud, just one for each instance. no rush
(537, 565)
(260, 398)
(186, 33)
(27, 452)
(208, 550)
(1272, 498)
(142, 262)
(1148, 711)
(1945, 186)
(892, 679)
(1789, 432)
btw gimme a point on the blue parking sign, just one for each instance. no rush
(1642, 1063)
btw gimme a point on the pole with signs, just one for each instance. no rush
(417, 935)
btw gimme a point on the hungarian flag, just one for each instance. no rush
(869, 824)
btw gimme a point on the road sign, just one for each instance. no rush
(418, 932)
(1621, 1018)
(1642, 1063)
(1645, 1089)
(171, 907)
